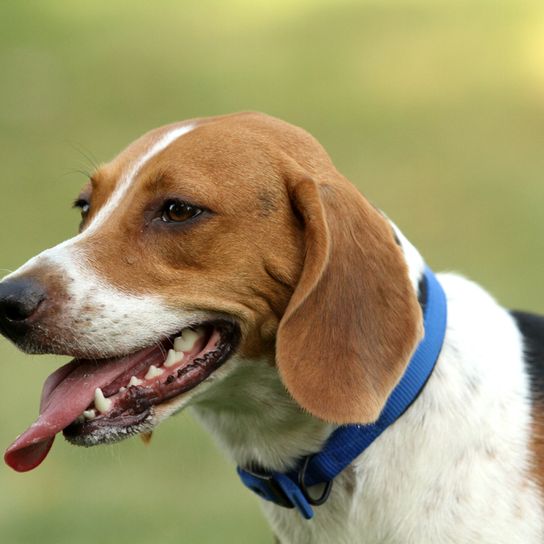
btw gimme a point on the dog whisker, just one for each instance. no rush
(85, 173)
(87, 155)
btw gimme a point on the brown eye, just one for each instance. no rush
(176, 211)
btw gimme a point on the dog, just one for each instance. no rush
(225, 264)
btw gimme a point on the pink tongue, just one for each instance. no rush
(65, 395)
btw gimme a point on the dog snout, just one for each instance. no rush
(20, 299)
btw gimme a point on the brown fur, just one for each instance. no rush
(354, 320)
(537, 444)
(289, 245)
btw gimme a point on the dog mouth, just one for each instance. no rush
(99, 401)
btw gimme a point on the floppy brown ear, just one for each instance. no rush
(353, 321)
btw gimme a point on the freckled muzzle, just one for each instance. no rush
(95, 402)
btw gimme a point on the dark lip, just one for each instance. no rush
(137, 406)
(76, 432)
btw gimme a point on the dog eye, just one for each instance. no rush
(176, 211)
(83, 205)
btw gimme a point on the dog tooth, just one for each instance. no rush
(153, 372)
(173, 358)
(102, 404)
(187, 340)
(89, 414)
(122, 389)
(135, 381)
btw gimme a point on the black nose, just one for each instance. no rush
(19, 300)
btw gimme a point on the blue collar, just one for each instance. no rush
(346, 443)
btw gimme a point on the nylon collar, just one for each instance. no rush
(347, 442)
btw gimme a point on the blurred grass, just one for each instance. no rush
(434, 108)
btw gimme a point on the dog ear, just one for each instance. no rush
(353, 321)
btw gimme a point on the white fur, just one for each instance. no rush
(453, 470)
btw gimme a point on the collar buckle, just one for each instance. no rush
(277, 488)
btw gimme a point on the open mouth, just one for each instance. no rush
(98, 401)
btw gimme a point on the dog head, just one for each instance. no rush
(204, 244)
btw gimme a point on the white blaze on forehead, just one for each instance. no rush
(126, 181)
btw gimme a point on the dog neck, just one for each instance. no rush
(253, 416)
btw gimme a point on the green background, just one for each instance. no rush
(435, 109)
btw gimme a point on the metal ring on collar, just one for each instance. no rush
(302, 484)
